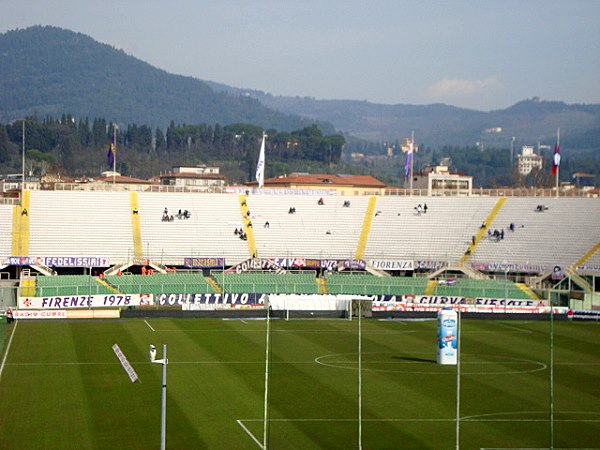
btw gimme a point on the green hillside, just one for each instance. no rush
(50, 71)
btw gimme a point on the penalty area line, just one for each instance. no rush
(8, 348)
(149, 326)
(249, 433)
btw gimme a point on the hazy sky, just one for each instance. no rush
(481, 54)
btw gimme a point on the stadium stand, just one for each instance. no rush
(159, 283)
(364, 284)
(265, 282)
(70, 285)
(101, 224)
(558, 235)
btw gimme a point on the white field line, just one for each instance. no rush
(466, 419)
(8, 348)
(149, 326)
(249, 433)
(516, 328)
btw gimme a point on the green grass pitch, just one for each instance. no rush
(62, 387)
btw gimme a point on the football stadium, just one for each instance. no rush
(298, 319)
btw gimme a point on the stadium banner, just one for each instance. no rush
(256, 264)
(58, 261)
(589, 268)
(85, 301)
(208, 301)
(339, 264)
(54, 314)
(509, 267)
(429, 265)
(465, 304)
(297, 263)
(393, 264)
(204, 263)
(279, 191)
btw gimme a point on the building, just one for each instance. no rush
(198, 178)
(439, 181)
(528, 160)
(334, 184)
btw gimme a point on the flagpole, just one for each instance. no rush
(557, 165)
(114, 151)
(412, 158)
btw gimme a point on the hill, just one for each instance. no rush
(530, 121)
(51, 71)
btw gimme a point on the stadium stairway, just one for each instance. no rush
(138, 251)
(322, 286)
(27, 286)
(248, 226)
(430, 289)
(527, 290)
(366, 228)
(581, 261)
(106, 285)
(482, 230)
(214, 284)
(20, 230)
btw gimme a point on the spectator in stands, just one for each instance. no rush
(135, 211)
(346, 203)
(424, 208)
(144, 270)
(236, 232)
(473, 240)
(267, 225)
(248, 213)
(249, 224)
(501, 234)
(377, 213)
(419, 208)
(321, 202)
(187, 214)
(292, 210)
(24, 212)
(511, 227)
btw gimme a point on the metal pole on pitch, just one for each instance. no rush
(359, 374)
(163, 414)
(266, 403)
(458, 357)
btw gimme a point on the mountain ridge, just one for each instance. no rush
(47, 70)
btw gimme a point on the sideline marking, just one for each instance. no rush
(8, 349)
(150, 326)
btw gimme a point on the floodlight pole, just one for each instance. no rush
(163, 415)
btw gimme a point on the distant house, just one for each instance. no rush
(338, 184)
(439, 181)
(198, 178)
(528, 160)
